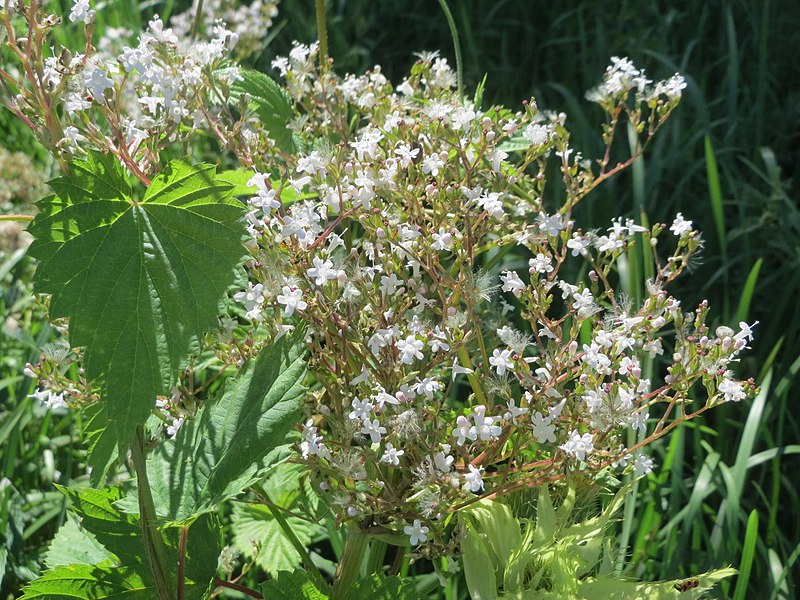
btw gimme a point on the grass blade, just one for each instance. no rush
(715, 195)
(747, 293)
(748, 554)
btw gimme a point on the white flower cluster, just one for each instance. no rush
(134, 99)
(466, 335)
(623, 77)
(248, 24)
(378, 250)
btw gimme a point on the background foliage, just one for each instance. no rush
(725, 492)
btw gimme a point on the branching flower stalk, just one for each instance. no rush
(467, 337)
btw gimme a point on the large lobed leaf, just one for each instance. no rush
(232, 439)
(139, 280)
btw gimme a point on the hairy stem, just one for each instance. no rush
(155, 551)
(350, 563)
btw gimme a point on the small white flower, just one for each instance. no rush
(680, 226)
(322, 271)
(512, 283)
(72, 138)
(172, 428)
(428, 386)
(642, 464)
(501, 361)
(536, 134)
(443, 240)
(362, 410)
(733, 391)
(81, 12)
(473, 481)
(492, 204)
(417, 533)
(459, 370)
(543, 431)
(391, 455)
(373, 429)
(463, 430)
(484, 427)
(443, 461)
(541, 264)
(292, 298)
(514, 411)
(410, 349)
(578, 445)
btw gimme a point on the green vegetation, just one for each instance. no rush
(723, 492)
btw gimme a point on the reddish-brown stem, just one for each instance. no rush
(330, 228)
(239, 588)
(182, 560)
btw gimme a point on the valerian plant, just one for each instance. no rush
(451, 336)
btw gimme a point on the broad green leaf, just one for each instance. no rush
(294, 585)
(258, 536)
(140, 280)
(102, 449)
(203, 546)
(273, 105)
(546, 520)
(499, 529)
(376, 587)
(118, 532)
(74, 545)
(478, 569)
(224, 449)
(90, 582)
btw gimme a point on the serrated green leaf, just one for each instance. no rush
(273, 105)
(376, 587)
(258, 536)
(293, 585)
(74, 545)
(203, 547)
(116, 531)
(516, 143)
(102, 450)
(223, 450)
(90, 582)
(139, 280)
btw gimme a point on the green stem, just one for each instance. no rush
(456, 45)
(155, 551)
(474, 381)
(20, 218)
(350, 563)
(198, 15)
(322, 33)
(376, 556)
(293, 539)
